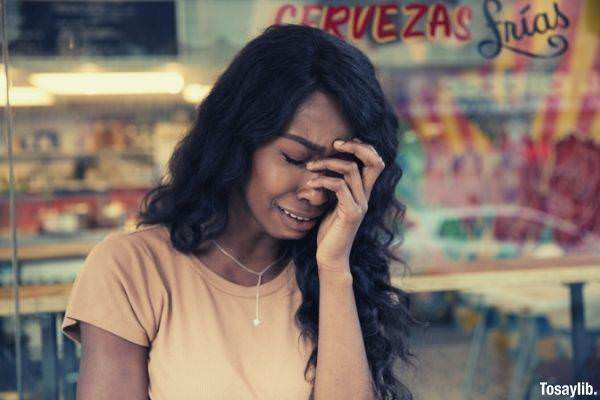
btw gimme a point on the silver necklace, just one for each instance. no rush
(256, 320)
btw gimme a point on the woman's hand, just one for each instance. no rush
(338, 228)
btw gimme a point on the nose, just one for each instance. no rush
(316, 197)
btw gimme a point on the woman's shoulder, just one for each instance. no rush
(145, 238)
(120, 287)
(144, 246)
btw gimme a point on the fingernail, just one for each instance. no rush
(338, 142)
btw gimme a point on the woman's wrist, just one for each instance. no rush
(335, 274)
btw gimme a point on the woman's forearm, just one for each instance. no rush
(342, 368)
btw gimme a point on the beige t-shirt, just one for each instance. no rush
(197, 324)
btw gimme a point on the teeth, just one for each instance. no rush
(294, 215)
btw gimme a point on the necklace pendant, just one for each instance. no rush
(256, 322)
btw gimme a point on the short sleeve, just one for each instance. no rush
(114, 291)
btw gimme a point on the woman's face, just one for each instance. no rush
(278, 199)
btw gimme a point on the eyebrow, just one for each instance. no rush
(305, 142)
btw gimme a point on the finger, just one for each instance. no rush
(373, 163)
(349, 170)
(342, 191)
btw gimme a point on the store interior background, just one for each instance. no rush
(501, 160)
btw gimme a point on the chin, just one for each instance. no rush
(284, 233)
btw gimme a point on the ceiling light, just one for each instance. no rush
(109, 83)
(195, 93)
(26, 96)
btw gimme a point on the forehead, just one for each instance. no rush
(320, 120)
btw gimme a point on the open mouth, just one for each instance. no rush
(294, 216)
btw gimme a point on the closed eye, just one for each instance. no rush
(293, 161)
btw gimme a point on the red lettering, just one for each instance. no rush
(331, 22)
(415, 12)
(282, 10)
(439, 18)
(384, 29)
(463, 17)
(360, 20)
(306, 15)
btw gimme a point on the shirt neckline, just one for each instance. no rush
(282, 281)
(266, 289)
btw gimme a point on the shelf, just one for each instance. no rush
(44, 157)
(66, 192)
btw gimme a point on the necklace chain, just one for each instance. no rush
(259, 274)
(256, 320)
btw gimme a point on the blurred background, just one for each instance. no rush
(500, 146)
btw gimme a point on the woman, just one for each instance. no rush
(268, 240)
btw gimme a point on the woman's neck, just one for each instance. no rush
(248, 243)
(254, 251)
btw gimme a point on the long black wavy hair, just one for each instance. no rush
(250, 105)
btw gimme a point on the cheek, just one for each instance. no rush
(266, 183)
(276, 180)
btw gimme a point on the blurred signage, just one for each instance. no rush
(506, 23)
(93, 28)
(420, 20)
(509, 33)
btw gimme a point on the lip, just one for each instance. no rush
(297, 213)
(294, 224)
